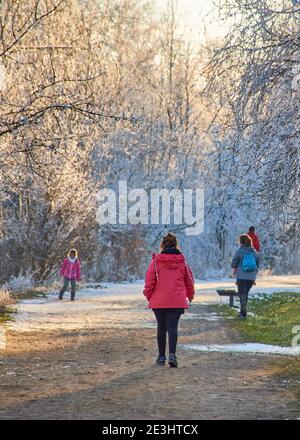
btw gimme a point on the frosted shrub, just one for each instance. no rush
(20, 283)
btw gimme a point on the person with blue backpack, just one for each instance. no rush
(245, 265)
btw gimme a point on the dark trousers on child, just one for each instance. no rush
(244, 287)
(65, 287)
(167, 322)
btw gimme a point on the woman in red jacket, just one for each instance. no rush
(169, 283)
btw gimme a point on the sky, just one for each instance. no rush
(199, 17)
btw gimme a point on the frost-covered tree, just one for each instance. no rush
(58, 97)
(258, 65)
(94, 92)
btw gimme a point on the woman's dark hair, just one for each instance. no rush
(252, 229)
(245, 240)
(169, 241)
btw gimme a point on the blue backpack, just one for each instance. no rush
(249, 262)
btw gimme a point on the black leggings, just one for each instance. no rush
(244, 287)
(167, 322)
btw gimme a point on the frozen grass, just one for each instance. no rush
(6, 314)
(29, 294)
(5, 298)
(5, 306)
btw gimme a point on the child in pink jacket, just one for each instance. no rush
(169, 285)
(70, 271)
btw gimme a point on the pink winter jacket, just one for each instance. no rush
(169, 282)
(69, 270)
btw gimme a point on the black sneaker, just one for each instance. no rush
(173, 361)
(60, 297)
(242, 317)
(161, 360)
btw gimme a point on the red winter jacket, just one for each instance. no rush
(255, 240)
(169, 282)
(70, 270)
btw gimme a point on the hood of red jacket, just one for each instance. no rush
(169, 261)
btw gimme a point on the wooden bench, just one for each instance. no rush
(230, 293)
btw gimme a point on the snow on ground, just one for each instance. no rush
(202, 316)
(266, 284)
(109, 306)
(247, 348)
(112, 305)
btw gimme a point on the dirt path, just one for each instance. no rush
(94, 359)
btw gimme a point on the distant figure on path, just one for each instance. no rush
(169, 283)
(245, 265)
(254, 237)
(70, 271)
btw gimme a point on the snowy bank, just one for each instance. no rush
(253, 348)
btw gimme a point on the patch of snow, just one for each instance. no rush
(202, 316)
(246, 348)
(35, 301)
